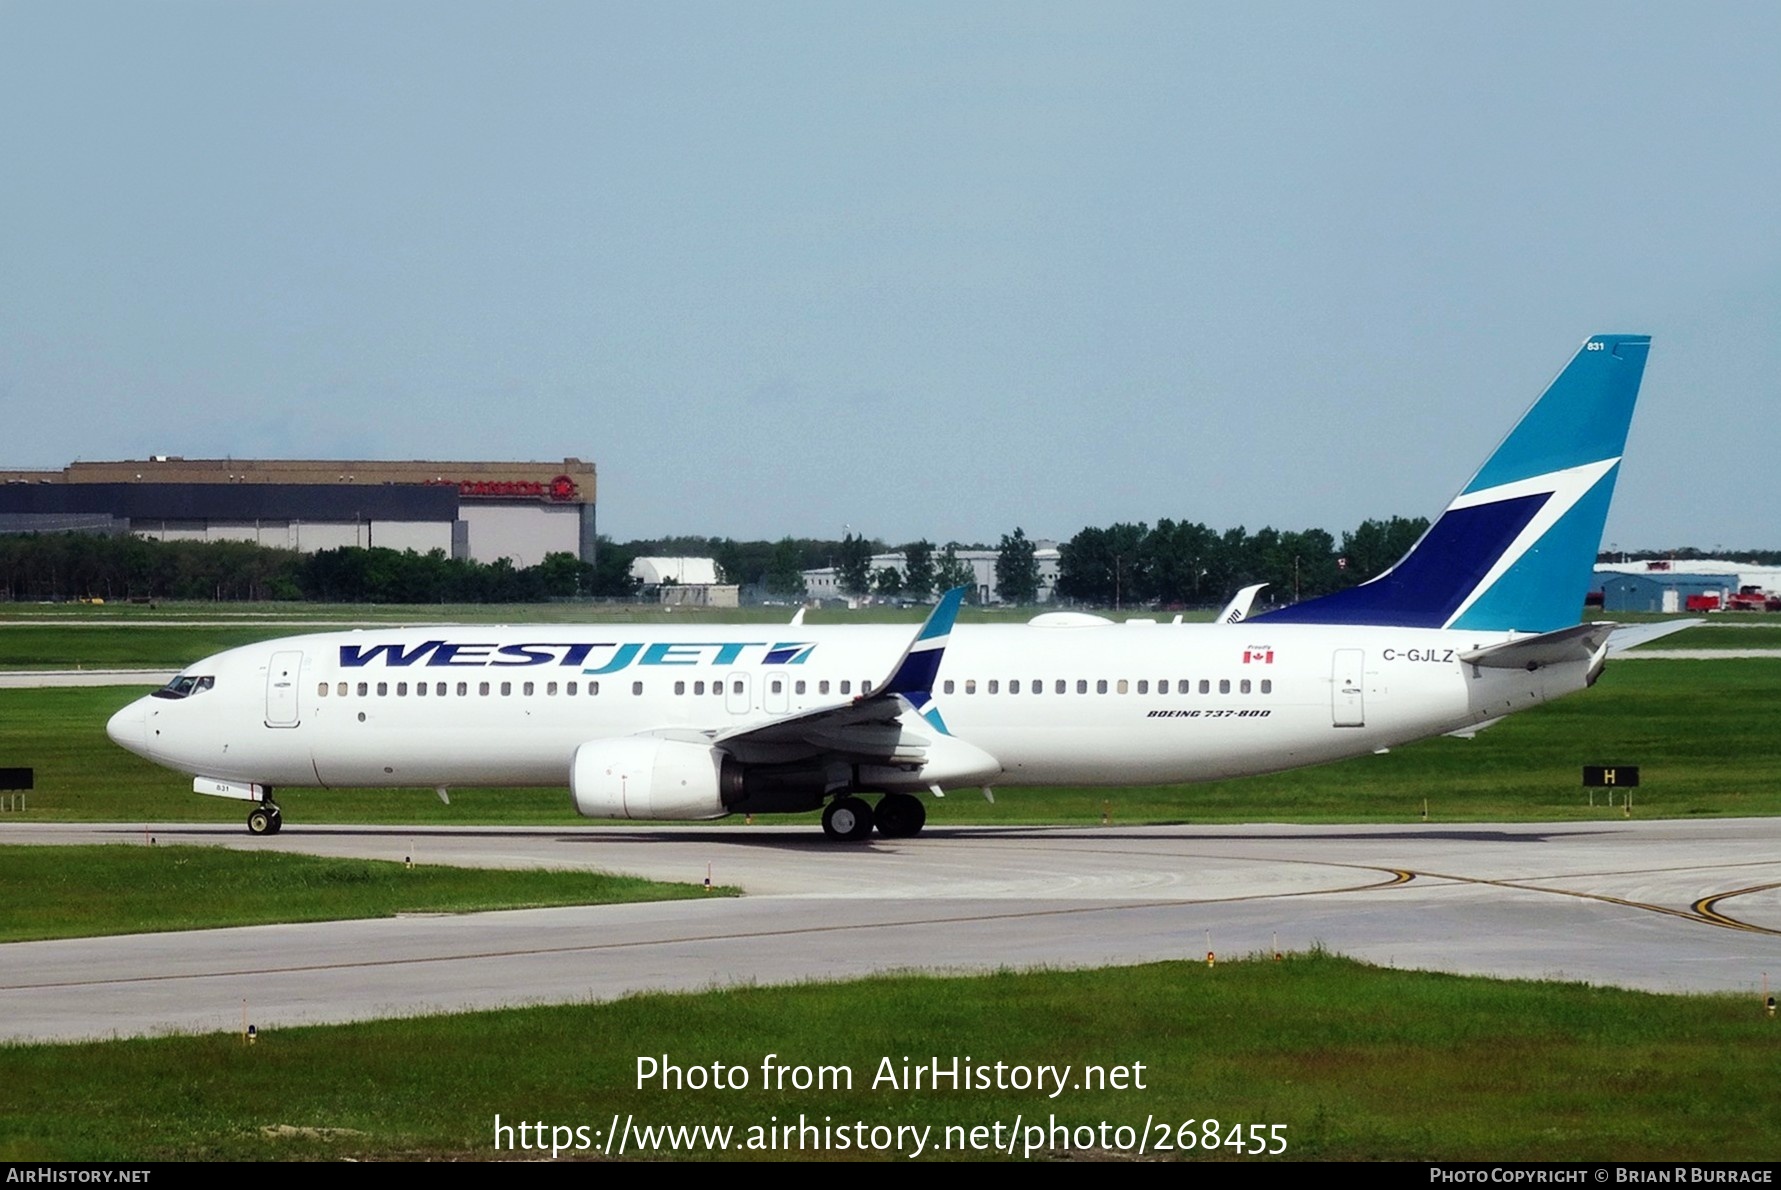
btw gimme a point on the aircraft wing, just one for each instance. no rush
(1237, 610)
(872, 726)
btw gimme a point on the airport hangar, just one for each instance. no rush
(479, 511)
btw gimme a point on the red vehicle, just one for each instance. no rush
(1753, 599)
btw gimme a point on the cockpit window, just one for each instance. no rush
(184, 686)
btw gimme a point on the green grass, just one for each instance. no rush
(1702, 733)
(93, 646)
(1758, 634)
(78, 891)
(1358, 1063)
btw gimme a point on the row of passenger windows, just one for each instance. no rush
(462, 689)
(570, 689)
(1116, 686)
(777, 685)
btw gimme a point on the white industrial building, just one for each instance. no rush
(685, 582)
(1737, 575)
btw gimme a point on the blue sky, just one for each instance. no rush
(915, 269)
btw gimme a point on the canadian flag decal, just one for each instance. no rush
(1258, 655)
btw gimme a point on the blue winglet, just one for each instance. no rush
(915, 671)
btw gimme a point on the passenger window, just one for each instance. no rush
(1082, 685)
(680, 687)
(420, 689)
(1143, 686)
(1062, 686)
(636, 687)
(1124, 686)
(401, 689)
(736, 687)
(572, 689)
(698, 687)
(1014, 686)
(993, 685)
(506, 689)
(383, 689)
(1205, 686)
(1243, 687)
(593, 688)
(866, 686)
(439, 690)
(1101, 686)
(970, 685)
(322, 690)
(341, 691)
(482, 688)
(364, 689)
(822, 687)
(1224, 685)
(1267, 685)
(798, 688)
(846, 686)
(528, 689)
(778, 685)
(947, 686)
(550, 690)
(463, 689)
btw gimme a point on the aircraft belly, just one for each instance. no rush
(436, 754)
(1164, 749)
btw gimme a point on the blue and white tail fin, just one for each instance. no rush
(1516, 550)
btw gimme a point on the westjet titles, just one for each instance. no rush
(441, 653)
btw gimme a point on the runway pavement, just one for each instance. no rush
(1673, 906)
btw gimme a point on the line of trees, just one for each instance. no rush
(1185, 564)
(56, 566)
(1169, 564)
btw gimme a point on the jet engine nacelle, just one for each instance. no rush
(646, 777)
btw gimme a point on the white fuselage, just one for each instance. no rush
(1100, 704)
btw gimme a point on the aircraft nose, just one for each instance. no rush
(129, 728)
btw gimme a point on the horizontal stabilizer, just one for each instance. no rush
(1582, 643)
(1628, 635)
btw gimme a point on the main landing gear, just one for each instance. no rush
(851, 819)
(265, 819)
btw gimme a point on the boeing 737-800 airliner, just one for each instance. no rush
(1477, 621)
